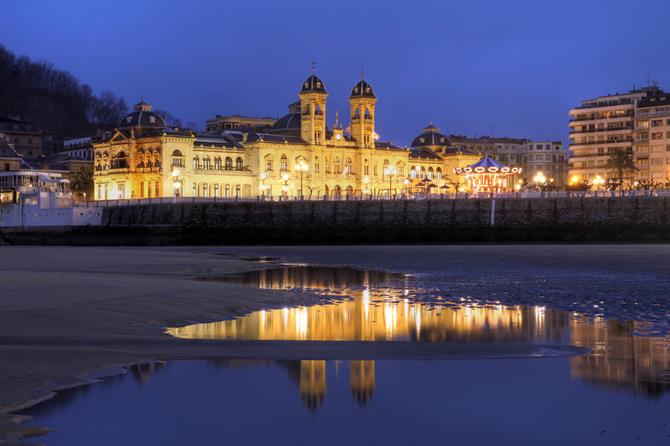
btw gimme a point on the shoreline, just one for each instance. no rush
(71, 313)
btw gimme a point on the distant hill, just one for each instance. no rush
(53, 99)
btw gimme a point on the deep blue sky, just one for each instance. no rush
(467, 66)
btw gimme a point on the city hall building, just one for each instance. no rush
(298, 156)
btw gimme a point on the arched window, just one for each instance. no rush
(367, 114)
(317, 110)
(412, 172)
(196, 163)
(177, 153)
(366, 167)
(438, 173)
(227, 191)
(217, 189)
(357, 113)
(205, 190)
(238, 190)
(120, 161)
(400, 169)
(229, 163)
(283, 163)
(217, 164)
(317, 166)
(268, 163)
(348, 167)
(336, 165)
(430, 173)
(422, 173)
(239, 163)
(205, 163)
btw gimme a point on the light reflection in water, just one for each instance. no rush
(377, 311)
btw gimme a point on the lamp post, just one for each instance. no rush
(539, 179)
(597, 182)
(176, 185)
(263, 176)
(301, 167)
(390, 171)
(406, 183)
(366, 187)
(284, 188)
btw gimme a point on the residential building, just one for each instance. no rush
(548, 158)
(652, 138)
(24, 136)
(599, 127)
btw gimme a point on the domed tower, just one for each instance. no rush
(432, 139)
(142, 118)
(313, 110)
(362, 110)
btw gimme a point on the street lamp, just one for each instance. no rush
(390, 171)
(366, 182)
(406, 183)
(301, 167)
(284, 188)
(598, 181)
(539, 179)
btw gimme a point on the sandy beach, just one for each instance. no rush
(70, 314)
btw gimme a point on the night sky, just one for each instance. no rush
(470, 67)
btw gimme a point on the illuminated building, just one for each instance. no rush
(602, 125)
(298, 156)
(652, 138)
(313, 383)
(549, 158)
(235, 122)
(362, 380)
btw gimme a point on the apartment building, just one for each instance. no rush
(600, 126)
(652, 138)
(549, 158)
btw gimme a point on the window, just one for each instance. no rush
(317, 168)
(283, 163)
(229, 163)
(237, 191)
(196, 163)
(336, 166)
(412, 172)
(657, 123)
(205, 163)
(438, 173)
(217, 163)
(239, 164)
(348, 168)
(657, 135)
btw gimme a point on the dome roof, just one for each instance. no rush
(289, 121)
(431, 136)
(362, 90)
(142, 116)
(313, 85)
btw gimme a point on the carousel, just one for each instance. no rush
(488, 175)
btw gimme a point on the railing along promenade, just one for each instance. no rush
(399, 197)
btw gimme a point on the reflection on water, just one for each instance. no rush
(380, 307)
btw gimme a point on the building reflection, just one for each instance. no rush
(375, 311)
(621, 359)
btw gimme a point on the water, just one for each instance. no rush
(615, 395)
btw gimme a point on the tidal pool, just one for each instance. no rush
(615, 395)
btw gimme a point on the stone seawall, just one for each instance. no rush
(634, 219)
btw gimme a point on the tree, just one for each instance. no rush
(107, 109)
(622, 162)
(170, 119)
(81, 182)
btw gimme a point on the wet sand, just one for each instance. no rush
(70, 314)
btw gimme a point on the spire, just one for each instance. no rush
(337, 119)
(362, 72)
(313, 67)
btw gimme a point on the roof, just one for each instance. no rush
(487, 162)
(387, 145)
(421, 153)
(313, 85)
(430, 137)
(362, 90)
(655, 101)
(142, 116)
(288, 122)
(224, 140)
(16, 125)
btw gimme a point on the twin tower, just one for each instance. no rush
(313, 112)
